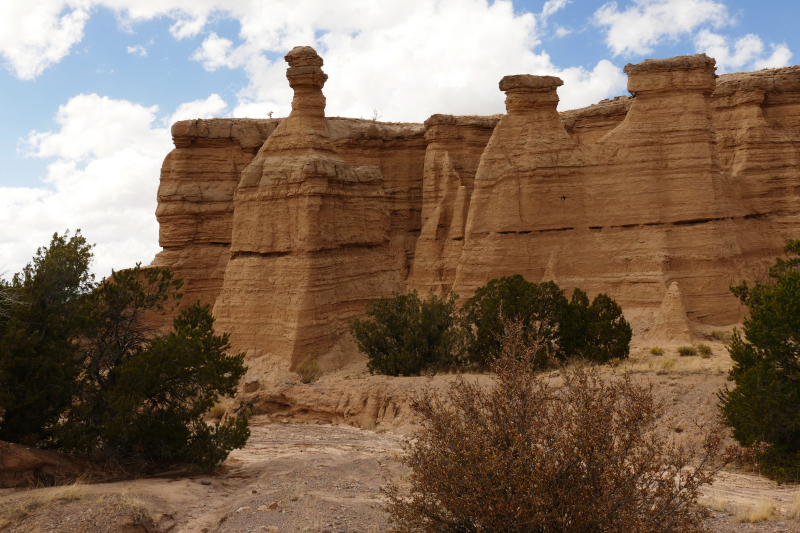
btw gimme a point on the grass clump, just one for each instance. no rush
(685, 351)
(19, 510)
(715, 502)
(720, 335)
(218, 411)
(134, 506)
(666, 366)
(794, 509)
(705, 350)
(309, 370)
(758, 512)
(657, 350)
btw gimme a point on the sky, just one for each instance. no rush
(90, 87)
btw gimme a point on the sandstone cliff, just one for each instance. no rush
(662, 200)
(195, 199)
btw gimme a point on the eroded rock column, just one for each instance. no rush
(310, 237)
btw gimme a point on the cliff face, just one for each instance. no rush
(195, 199)
(454, 148)
(662, 200)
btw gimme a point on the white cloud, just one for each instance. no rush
(216, 52)
(188, 27)
(781, 55)
(647, 23)
(551, 7)
(561, 31)
(138, 49)
(581, 87)
(213, 106)
(406, 60)
(103, 180)
(745, 53)
(36, 35)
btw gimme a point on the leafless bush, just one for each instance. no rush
(527, 456)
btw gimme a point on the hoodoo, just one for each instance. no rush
(289, 226)
(310, 235)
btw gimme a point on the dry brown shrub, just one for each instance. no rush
(218, 411)
(526, 456)
(309, 370)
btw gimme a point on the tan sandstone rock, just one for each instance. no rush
(691, 182)
(310, 235)
(671, 324)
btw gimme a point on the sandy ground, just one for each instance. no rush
(319, 477)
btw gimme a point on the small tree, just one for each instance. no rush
(765, 405)
(39, 338)
(596, 332)
(512, 299)
(405, 335)
(524, 455)
(142, 395)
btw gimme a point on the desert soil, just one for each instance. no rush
(325, 478)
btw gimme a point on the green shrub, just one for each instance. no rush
(151, 404)
(657, 350)
(522, 455)
(539, 308)
(404, 335)
(40, 356)
(765, 405)
(598, 332)
(81, 369)
(705, 350)
(685, 351)
(309, 370)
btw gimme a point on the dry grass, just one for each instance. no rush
(757, 512)
(665, 366)
(715, 502)
(134, 506)
(657, 350)
(720, 335)
(18, 510)
(296, 493)
(705, 350)
(683, 365)
(794, 508)
(686, 351)
(218, 411)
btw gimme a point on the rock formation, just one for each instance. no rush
(195, 198)
(310, 243)
(671, 323)
(454, 149)
(289, 226)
